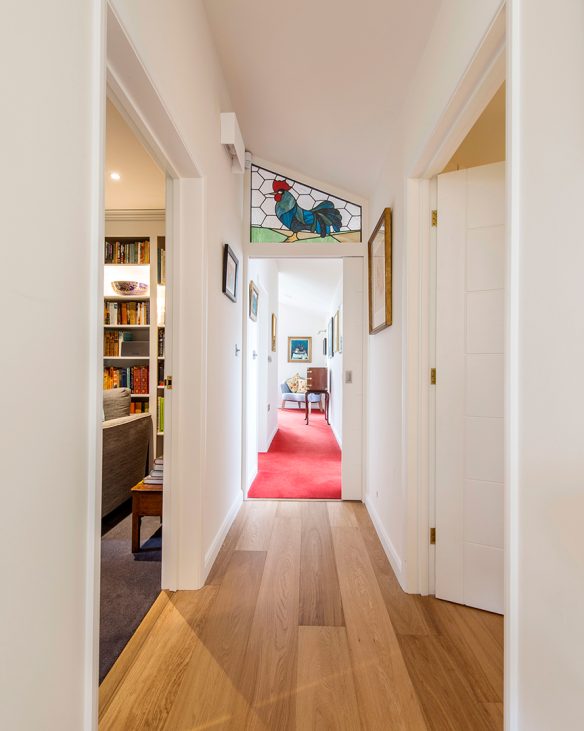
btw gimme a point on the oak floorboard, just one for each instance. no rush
(289, 509)
(259, 522)
(271, 659)
(404, 610)
(495, 710)
(117, 673)
(485, 679)
(445, 693)
(147, 693)
(385, 692)
(341, 514)
(326, 697)
(320, 593)
(229, 545)
(210, 693)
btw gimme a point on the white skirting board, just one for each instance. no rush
(390, 552)
(339, 440)
(211, 554)
(271, 439)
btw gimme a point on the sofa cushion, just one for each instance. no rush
(285, 387)
(302, 385)
(116, 403)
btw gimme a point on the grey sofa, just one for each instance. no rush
(126, 448)
(297, 398)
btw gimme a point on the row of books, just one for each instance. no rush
(126, 313)
(160, 421)
(156, 475)
(161, 342)
(139, 407)
(161, 266)
(135, 378)
(127, 252)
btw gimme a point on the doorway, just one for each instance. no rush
(467, 326)
(303, 381)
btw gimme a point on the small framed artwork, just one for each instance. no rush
(337, 331)
(330, 338)
(299, 350)
(254, 296)
(379, 255)
(324, 345)
(230, 270)
(274, 332)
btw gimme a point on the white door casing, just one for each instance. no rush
(470, 325)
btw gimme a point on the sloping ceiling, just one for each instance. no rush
(141, 185)
(316, 84)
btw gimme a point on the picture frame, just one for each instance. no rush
(330, 338)
(230, 272)
(299, 349)
(274, 332)
(254, 296)
(324, 346)
(337, 332)
(379, 255)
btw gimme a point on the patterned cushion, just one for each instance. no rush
(302, 385)
(116, 403)
(293, 383)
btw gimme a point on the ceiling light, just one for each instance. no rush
(115, 176)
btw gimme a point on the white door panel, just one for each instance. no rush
(470, 337)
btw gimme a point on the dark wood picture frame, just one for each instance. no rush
(229, 255)
(380, 248)
(274, 332)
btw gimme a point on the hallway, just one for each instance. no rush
(301, 625)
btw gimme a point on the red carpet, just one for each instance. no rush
(303, 461)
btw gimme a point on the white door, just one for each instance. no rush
(470, 334)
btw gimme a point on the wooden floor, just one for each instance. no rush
(302, 625)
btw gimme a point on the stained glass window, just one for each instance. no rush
(284, 210)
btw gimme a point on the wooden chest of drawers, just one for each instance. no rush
(317, 378)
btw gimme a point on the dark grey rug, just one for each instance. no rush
(129, 585)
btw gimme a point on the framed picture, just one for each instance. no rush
(230, 270)
(330, 339)
(274, 332)
(324, 345)
(254, 296)
(379, 254)
(337, 332)
(299, 350)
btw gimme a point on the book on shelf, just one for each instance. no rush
(161, 342)
(161, 277)
(118, 343)
(160, 420)
(126, 313)
(136, 378)
(139, 407)
(161, 374)
(127, 252)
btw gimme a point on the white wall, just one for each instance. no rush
(50, 150)
(544, 634)
(296, 321)
(460, 26)
(170, 37)
(335, 366)
(262, 373)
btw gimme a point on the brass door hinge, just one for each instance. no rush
(434, 218)
(433, 376)
(168, 383)
(432, 536)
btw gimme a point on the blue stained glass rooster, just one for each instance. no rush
(322, 219)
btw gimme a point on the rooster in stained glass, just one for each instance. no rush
(322, 219)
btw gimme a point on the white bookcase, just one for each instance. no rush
(125, 227)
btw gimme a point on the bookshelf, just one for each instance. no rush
(135, 250)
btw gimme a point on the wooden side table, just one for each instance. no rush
(146, 500)
(321, 392)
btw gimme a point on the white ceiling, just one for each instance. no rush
(141, 185)
(309, 283)
(315, 84)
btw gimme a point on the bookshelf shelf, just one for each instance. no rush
(135, 250)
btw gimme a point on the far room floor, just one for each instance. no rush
(303, 461)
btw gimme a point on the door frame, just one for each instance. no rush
(475, 89)
(126, 82)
